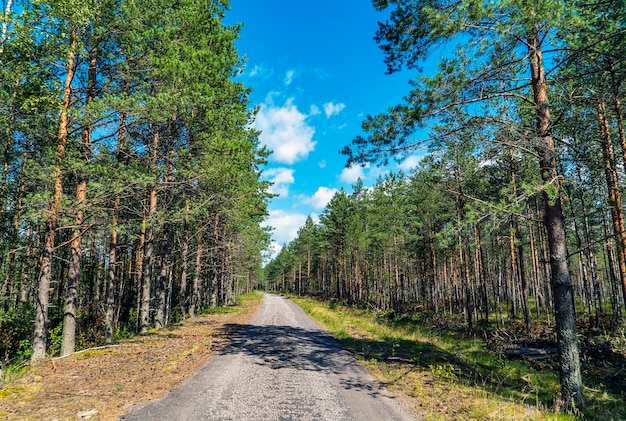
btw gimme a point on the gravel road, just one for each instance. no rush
(281, 366)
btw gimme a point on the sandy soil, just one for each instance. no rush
(104, 383)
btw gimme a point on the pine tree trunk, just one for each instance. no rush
(111, 277)
(68, 344)
(195, 288)
(41, 318)
(565, 314)
(11, 258)
(161, 292)
(184, 305)
(615, 195)
(111, 274)
(609, 263)
(148, 250)
(588, 252)
(617, 106)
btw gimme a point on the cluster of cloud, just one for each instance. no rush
(290, 134)
(281, 178)
(331, 109)
(321, 197)
(409, 163)
(285, 131)
(288, 222)
(353, 173)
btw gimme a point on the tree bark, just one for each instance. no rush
(184, 305)
(615, 195)
(195, 288)
(162, 282)
(40, 335)
(519, 255)
(148, 250)
(111, 272)
(68, 343)
(565, 315)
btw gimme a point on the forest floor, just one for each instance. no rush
(445, 374)
(441, 375)
(104, 383)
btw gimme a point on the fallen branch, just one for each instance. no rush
(532, 353)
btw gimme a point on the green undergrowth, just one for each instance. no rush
(16, 332)
(446, 375)
(236, 307)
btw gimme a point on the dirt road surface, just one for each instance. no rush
(281, 366)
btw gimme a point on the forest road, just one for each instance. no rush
(281, 366)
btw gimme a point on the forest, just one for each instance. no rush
(132, 193)
(130, 190)
(514, 213)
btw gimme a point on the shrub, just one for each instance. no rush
(16, 327)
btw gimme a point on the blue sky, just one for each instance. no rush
(316, 72)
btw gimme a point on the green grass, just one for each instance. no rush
(448, 375)
(241, 300)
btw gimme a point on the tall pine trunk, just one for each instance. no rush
(615, 195)
(111, 272)
(148, 248)
(195, 288)
(40, 335)
(162, 282)
(565, 314)
(68, 343)
(184, 306)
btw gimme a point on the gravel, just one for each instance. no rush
(281, 366)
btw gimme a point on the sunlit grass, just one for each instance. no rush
(443, 375)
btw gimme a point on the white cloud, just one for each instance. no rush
(281, 179)
(410, 163)
(331, 109)
(285, 224)
(352, 174)
(255, 70)
(261, 71)
(321, 197)
(314, 110)
(289, 77)
(322, 164)
(285, 131)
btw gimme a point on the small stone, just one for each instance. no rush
(88, 414)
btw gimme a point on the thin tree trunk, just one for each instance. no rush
(148, 251)
(565, 313)
(609, 263)
(195, 288)
(161, 293)
(519, 255)
(111, 275)
(589, 253)
(68, 343)
(184, 265)
(9, 287)
(615, 195)
(41, 319)
(617, 106)
(5, 25)
(138, 271)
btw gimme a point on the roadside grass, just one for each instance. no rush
(445, 375)
(105, 382)
(236, 307)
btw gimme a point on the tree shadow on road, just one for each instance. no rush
(287, 347)
(294, 348)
